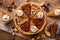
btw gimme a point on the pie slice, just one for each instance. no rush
(26, 27)
(31, 19)
(51, 14)
(33, 28)
(55, 13)
(48, 29)
(6, 17)
(38, 22)
(34, 9)
(27, 9)
(38, 15)
(36, 12)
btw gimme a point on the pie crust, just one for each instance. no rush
(29, 19)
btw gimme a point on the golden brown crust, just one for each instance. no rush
(30, 33)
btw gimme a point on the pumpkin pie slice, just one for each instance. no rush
(20, 13)
(38, 22)
(39, 15)
(55, 13)
(34, 9)
(33, 28)
(6, 17)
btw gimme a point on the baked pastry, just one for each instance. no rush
(51, 29)
(33, 28)
(55, 13)
(6, 17)
(30, 19)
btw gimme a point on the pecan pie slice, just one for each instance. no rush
(38, 15)
(38, 23)
(27, 9)
(51, 29)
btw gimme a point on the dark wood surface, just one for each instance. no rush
(7, 36)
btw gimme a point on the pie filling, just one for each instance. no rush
(38, 25)
(52, 29)
(25, 24)
(27, 9)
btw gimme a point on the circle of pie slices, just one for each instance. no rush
(29, 18)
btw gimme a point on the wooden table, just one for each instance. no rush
(7, 31)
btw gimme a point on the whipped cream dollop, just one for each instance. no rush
(33, 28)
(19, 13)
(6, 17)
(57, 12)
(40, 14)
